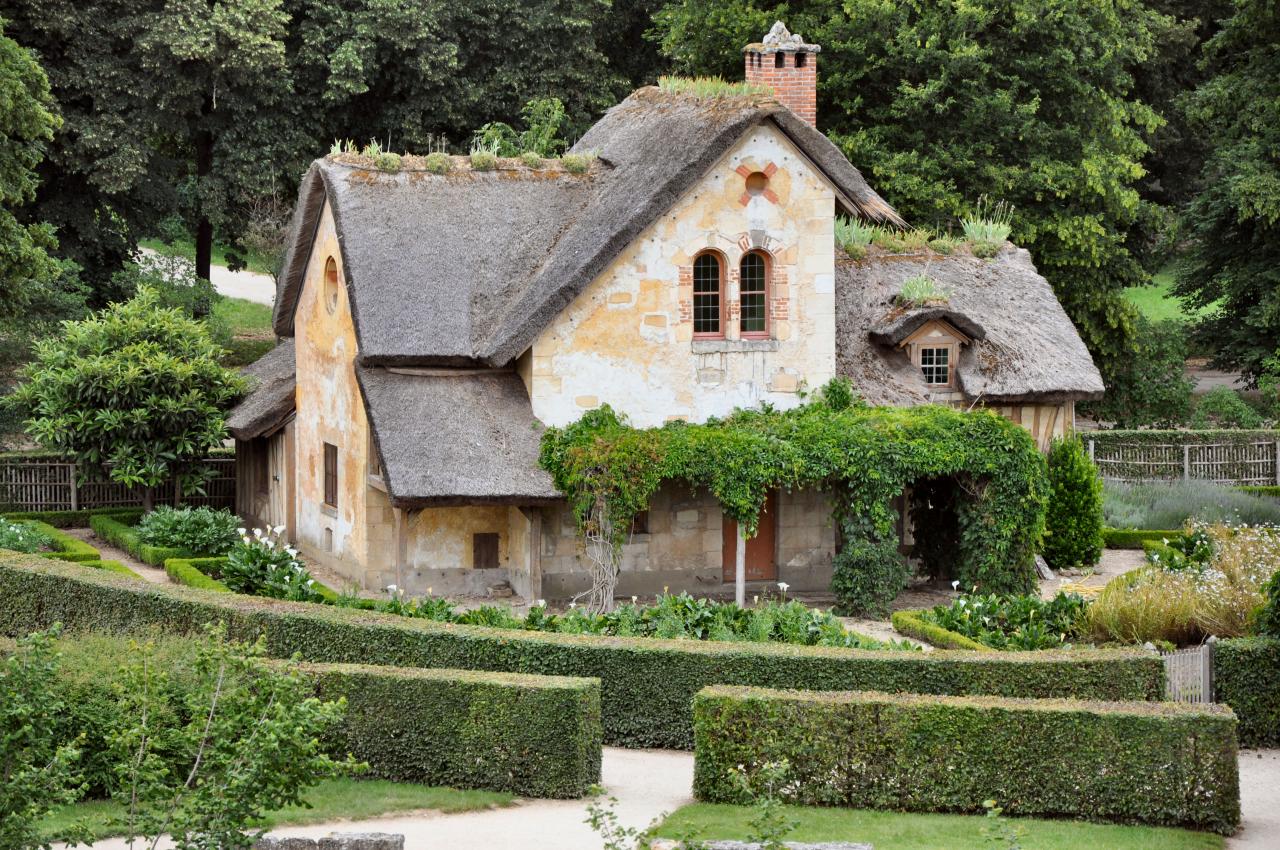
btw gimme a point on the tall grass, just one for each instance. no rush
(1185, 606)
(710, 87)
(992, 223)
(853, 236)
(1174, 504)
(921, 289)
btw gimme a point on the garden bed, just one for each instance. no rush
(647, 684)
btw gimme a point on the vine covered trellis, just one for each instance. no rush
(863, 456)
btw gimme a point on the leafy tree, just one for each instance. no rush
(249, 742)
(1150, 388)
(1026, 101)
(542, 116)
(1222, 407)
(1233, 225)
(135, 390)
(1073, 523)
(38, 770)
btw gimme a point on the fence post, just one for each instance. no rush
(1186, 461)
(75, 487)
(1206, 668)
(1277, 460)
(1091, 445)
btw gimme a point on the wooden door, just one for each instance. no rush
(762, 564)
(280, 469)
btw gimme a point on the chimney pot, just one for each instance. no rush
(786, 64)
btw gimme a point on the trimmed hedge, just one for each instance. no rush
(112, 567)
(538, 736)
(68, 548)
(913, 624)
(1246, 676)
(193, 572)
(648, 684)
(1133, 538)
(1106, 439)
(124, 536)
(75, 519)
(1268, 490)
(1157, 763)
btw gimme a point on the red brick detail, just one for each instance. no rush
(745, 199)
(770, 170)
(743, 170)
(685, 300)
(770, 196)
(795, 88)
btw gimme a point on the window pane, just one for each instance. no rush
(331, 475)
(935, 364)
(753, 293)
(706, 294)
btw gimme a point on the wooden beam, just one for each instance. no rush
(534, 515)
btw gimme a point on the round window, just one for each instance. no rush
(757, 182)
(331, 285)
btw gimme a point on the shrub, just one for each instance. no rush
(1268, 617)
(1150, 388)
(203, 530)
(1012, 622)
(184, 571)
(914, 624)
(920, 290)
(646, 684)
(853, 236)
(1175, 504)
(945, 245)
(576, 163)
(1246, 676)
(439, 163)
(1188, 603)
(868, 572)
(483, 160)
(1222, 407)
(1134, 538)
(263, 566)
(1073, 521)
(387, 161)
(529, 159)
(23, 537)
(1127, 762)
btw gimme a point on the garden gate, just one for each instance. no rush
(1189, 673)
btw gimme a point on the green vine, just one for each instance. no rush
(863, 456)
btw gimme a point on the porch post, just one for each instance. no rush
(740, 568)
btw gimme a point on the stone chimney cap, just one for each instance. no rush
(782, 40)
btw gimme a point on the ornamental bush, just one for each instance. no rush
(1073, 521)
(1268, 618)
(262, 565)
(1013, 622)
(1126, 762)
(200, 530)
(863, 456)
(22, 537)
(868, 572)
(647, 685)
(1246, 676)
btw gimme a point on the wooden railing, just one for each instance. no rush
(1239, 463)
(40, 483)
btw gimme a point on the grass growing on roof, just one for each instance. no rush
(710, 87)
(331, 800)
(853, 236)
(900, 831)
(919, 290)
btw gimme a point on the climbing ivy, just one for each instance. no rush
(863, 456)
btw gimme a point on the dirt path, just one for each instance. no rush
(1114, 562)
(1259, 801)
(251, 286)
(111, 553)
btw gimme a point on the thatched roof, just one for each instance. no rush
(271, 394)
(467, 267)
(1024, 345)
(455, 437)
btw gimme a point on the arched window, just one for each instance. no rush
(708, 296)
(331, 285)
(753, 289)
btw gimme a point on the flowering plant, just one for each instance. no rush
(260, 566)
(20, 537)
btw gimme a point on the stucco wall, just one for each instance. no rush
(628, 339)
(329, 411)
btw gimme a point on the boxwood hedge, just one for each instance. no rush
(1133, 538)
(194, 572)
(647, 684)
(1246, 676)
(1156, 763)
(913, 624)
(75, 519)
(538, 736)
(122, 534)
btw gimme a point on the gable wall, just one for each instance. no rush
(627, 340)
(330, 410)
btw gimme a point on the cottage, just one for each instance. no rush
(431, 323)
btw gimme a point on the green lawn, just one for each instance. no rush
(218, 256)
(900, 831)
(334, 799)
(1156, 301)
(243, 317)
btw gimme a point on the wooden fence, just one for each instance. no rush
(35, 483)
(1244, 463)
(1189, 673)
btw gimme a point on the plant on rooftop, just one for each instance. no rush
(135, 391)
(530, 160)
(863, 456)
(900, 241)
(543, 117)
(577, 163)
(945, 244)
(389, 162)
(920, 290)
(483, 160)
(439, 163)
(372, 150)
(988, 228)
(710, 87)
(853, 236)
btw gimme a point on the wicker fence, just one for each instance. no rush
(41, 483)
(1254, 462)
(1189, 673)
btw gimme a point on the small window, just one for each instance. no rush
(801, 59)
(708, 286)
(484, 551)
(779, 60)
(640, 523)
(331, 285)
(753, 288)
(935, 363)
(331, 475)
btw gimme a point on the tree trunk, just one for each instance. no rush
(204, 228)
(148, 499)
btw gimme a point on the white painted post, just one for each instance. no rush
(1276, 457)
(1186, 462)
(75, 488)
(1206, 669)
(1091, 449)
(740, 569)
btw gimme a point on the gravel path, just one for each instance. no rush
(1259, 801)
(251, 286)
(111, 553)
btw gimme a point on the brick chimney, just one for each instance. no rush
(784, 63)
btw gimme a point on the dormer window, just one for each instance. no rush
(708, 296)
(934, 349)
(935, 365)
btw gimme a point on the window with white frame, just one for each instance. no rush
(935, 365)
